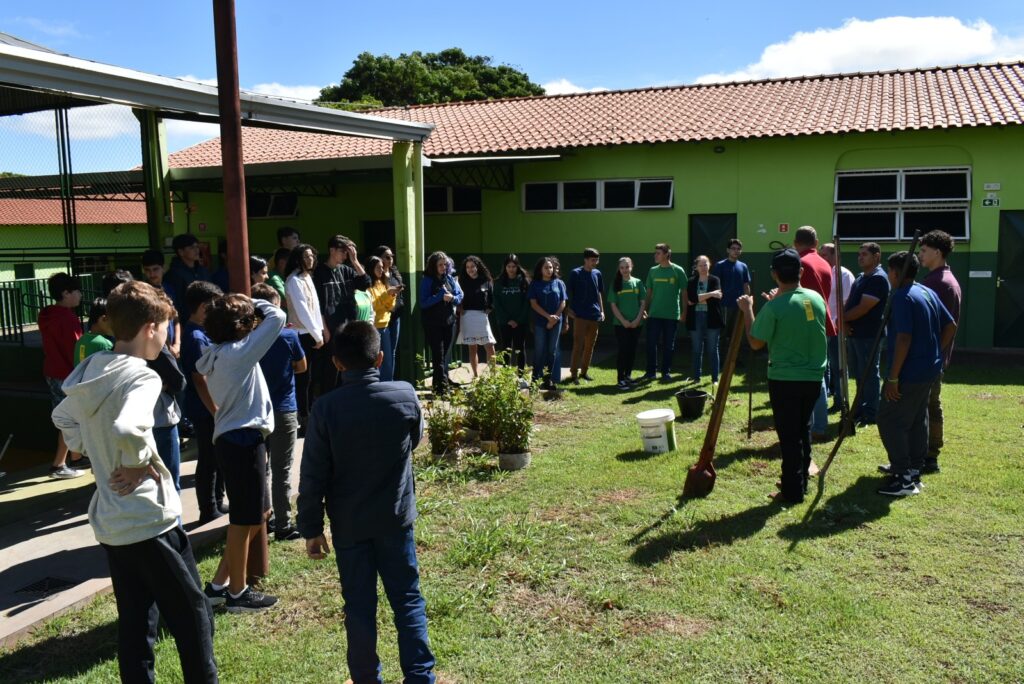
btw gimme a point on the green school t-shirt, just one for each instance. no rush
(628, 299)
(665, 283)
(89, 344)
(793, 326)
(364, 306)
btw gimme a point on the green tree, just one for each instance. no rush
(426, 78)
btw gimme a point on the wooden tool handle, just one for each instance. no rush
(707, 452)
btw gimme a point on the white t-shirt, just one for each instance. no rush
(847, 286)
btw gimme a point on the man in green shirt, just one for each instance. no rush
(666, 308)
(97, 339)
(792, 326)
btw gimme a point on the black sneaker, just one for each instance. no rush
(250, 601)
(287, 534)
(586, 376)
(885, 469)
(649, 377)
(624, 385)
(81, 464)
(931, 465)
(217, 596)
(666, 377)
(900, 485)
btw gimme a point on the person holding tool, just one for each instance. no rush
(863, 317)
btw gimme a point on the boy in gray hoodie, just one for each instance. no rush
(108, 415)
(243, 420)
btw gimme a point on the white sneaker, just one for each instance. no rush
(62, 472)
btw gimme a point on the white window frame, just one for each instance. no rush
(637, 182)
(933, 172)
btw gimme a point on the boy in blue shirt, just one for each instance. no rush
(920, 330)
(586, 307)
(282, 362)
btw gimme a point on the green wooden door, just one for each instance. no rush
(709, 235)
(1009, 330)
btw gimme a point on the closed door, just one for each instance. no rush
(1009, 330)
(710, 234)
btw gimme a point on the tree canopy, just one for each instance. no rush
(425, 78)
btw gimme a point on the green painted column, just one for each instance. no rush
(407, 182)
(155, 178)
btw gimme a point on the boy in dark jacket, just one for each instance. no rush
(357, 459)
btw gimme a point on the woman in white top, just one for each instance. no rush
(305, 318)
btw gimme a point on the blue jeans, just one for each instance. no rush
(169, 448)
(546, 352)
(703, 337)
(859, 349)
(393, 557)
(835, 378)
(387, 367)
(394, 327)
(663, 331)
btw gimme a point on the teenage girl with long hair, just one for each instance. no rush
(440, 294)
(305, 318)
(548, 299)
(704, 316)
(477, 302)
(512, 310)
(627, 298)
(383, 295)
(394, 277)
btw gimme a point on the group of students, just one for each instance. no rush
(238, 368)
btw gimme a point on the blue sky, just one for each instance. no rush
(293, 49)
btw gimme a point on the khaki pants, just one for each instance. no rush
(584, 335)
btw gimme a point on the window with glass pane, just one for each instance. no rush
(285, 204)
(257, 204)
(952, 221)
(619, 194)
(655, 193)
(466, 199)
(541, 196)
(852, 225)
(579, 195)
(952, 185)
(435, 199)
(867, 187)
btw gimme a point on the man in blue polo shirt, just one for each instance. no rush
(920, 330)
(735, 278)
(586, 309)
(864, 310)
(280, 364)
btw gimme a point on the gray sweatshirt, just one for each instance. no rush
(108, 416)
(236, 383)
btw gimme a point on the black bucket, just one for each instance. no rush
(691, 403)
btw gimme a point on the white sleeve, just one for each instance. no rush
(68, 425)
(136, 420)
(307, 312)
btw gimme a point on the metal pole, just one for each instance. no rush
(844, 375)
(231, 144)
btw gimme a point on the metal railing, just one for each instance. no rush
(22, 300)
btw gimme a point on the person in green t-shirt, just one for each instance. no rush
(628, 300)
(364, 306)
(97, 339)
(666, 307)
(276, 278)
(792, 326)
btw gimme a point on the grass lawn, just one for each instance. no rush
(587, 567)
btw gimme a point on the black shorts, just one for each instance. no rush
(245, 479)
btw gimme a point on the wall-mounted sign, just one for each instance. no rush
(990, 202)
(783, 227)
(981, 274)
(993, 186)
(202, 228)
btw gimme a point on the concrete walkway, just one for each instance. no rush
(46, 541)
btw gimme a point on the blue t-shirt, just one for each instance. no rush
(193, 343)
(874, 284)
(584, 289)
(549, 295)
(733, 276)
(917, 311)
(277, 370)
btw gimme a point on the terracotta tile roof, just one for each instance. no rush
(47, 212)
(952, 97)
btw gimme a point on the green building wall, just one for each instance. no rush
(764, 182)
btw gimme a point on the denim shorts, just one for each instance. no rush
(56, 393)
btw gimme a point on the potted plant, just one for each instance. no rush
(515, 422)
(483, 408)
(444, 426)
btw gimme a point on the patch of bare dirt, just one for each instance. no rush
(556, 610)
(990, 607)
(617, 496)
(666, 623)
(988, 396)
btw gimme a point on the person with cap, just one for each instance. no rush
(186, 268)
(792, 325)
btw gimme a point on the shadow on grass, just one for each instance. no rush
(636, 455)
(705, 533)
(855, 507)
(52, 658)
(744, 453)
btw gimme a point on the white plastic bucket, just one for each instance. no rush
(657, 430)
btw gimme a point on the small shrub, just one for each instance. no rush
(444, 426)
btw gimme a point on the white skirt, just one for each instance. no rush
(475, 328)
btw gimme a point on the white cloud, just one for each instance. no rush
(54, 29)
(877, 45)
(100, 122)
(305, 93)
(182, 134)
(198, 79)
(564, 86)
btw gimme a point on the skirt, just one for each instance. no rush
(475, 328)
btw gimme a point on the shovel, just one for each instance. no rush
(700, 479)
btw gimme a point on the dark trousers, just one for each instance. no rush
(281, 453)
(661, 332)
(627, 339)
(903, 427)
(303, 381)
(153, 578)
(513, 341)
(439, 338)
(862, 363)
(393, 557)
(209, 480)
(792, 404)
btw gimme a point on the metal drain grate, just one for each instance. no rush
(47, 586)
